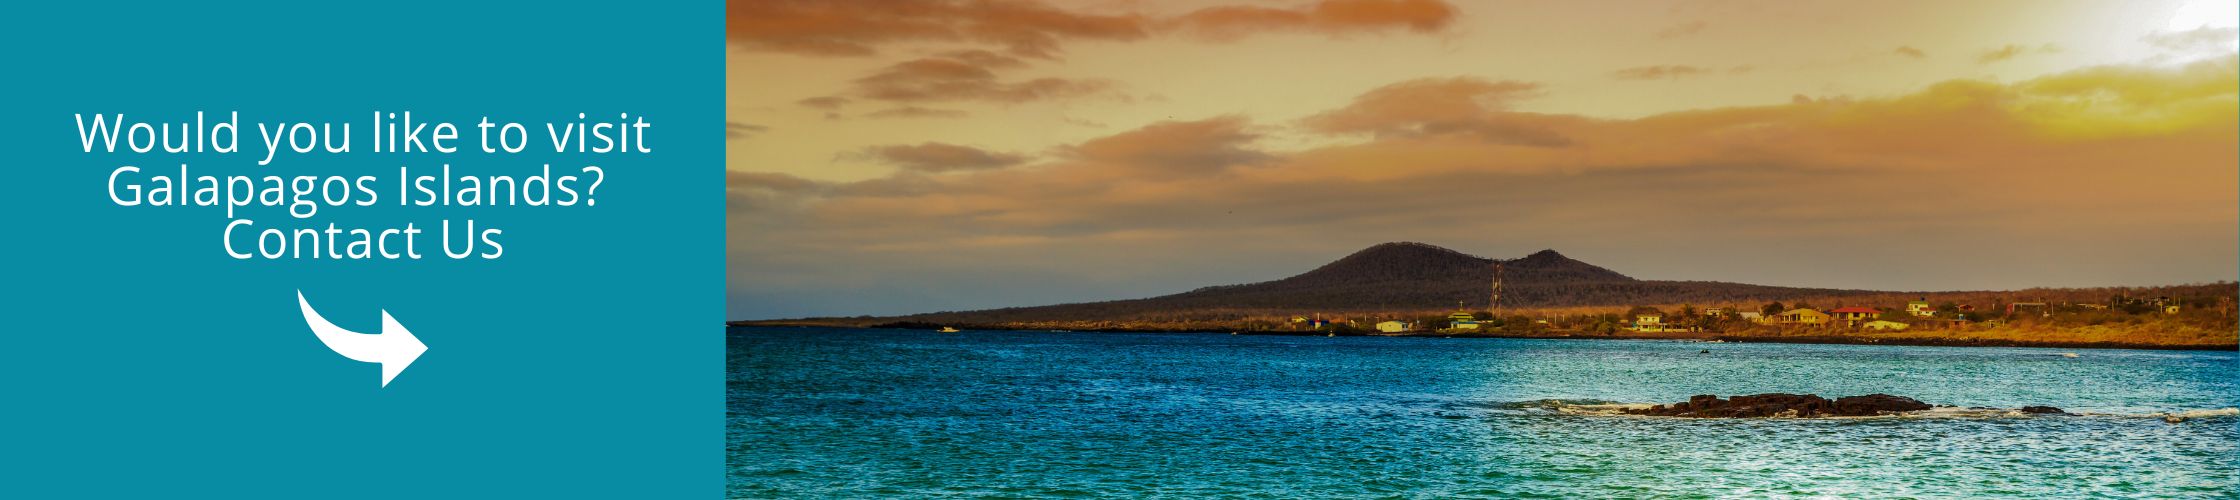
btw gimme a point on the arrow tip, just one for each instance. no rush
(405, 348)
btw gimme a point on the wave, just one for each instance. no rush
(1568, 407)
(1961, 412)
(2183, 414)
(1596, 407)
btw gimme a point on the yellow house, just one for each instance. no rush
(1648, 319)
(1885, 325)
(1804, 317)
(1392, 327)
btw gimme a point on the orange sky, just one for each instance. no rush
(907, 156)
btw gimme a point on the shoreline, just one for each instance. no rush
(1688, 336)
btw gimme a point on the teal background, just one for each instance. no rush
(140, 360)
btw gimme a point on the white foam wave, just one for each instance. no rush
(1606, 408)
(2183, 414)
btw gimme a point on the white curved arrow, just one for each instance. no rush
(394, 348)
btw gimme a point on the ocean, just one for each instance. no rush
(849, 413)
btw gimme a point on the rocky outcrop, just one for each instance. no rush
(1783, 405)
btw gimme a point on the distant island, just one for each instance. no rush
(1417, 289)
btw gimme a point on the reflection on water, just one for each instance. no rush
(851, 413)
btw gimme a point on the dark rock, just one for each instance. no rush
(1876, 404)
(2043, 410)
(1783, 405)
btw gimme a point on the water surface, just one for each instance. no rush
(864, 413)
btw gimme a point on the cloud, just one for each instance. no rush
(1176, 147)
(827, 103)
(1999, 54)
(2011, 51)
(1333, 17)
(1675, 72)
(935, 157)
(756, 192)
(984, 59)
(936, 79)
(768, 181)
(1909, 51)
(1682, 30)
(917, 112)
(2071, 167)
(1035, 29)
(1434, 107)
(736, 130)
(857, 27)
(2200, 40)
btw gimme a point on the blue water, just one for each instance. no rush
(889, 413)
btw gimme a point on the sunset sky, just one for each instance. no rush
(893, 157)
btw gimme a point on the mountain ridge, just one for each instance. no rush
(1407, 276)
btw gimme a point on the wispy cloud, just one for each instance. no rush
(2012, 51)
(736, 130)
(935, 157)
(1675, 72)
(1682, 30)
(917, 112)
(1035, 29)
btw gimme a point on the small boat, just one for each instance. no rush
(2068, 355)
(947, 329)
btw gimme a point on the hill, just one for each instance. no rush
(1400, 277)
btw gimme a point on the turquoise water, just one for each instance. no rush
(869, 413)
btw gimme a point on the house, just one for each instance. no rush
(1751, 316)
(1803, 317)
(1718, 312)
(1648, 319)
(1462, 320)
(1392, 327)
(1853, 316)
(1921, 308)
(1885, 325)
